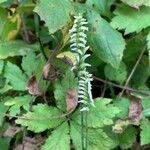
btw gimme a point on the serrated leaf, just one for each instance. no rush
(15, 76)
(105, 42)
(30, 63)
(145, 136)
(41, 118)
(61, 88)
(102, 6)
(49, 10)
(17, 102)
(59, 139)
(15, 48)
(100, 115)
(130, 19)
(119, 75)
(97, 139)
(136, 3)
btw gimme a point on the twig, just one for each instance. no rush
(120, 86)
(132, 72)
(25, 29)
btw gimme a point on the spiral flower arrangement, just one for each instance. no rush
(79, 47)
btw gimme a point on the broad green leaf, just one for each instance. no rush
(41, 118)
(141, 73)
(15, 76)
(54, 13)
(14, 48)
(136, 3)
(3, 109)
(30, 63)
(4, 143)
(130, 19)
(102, 6)
(133, 49)
(146, 106)
(100, 115)
(127, 138)
(97, 139)
(124, 140)
(59, 139)
(119, 75)
(17, 102)
(1, 66)
(145, 136)
(2, 1)
(106, 42)
(67, 82)
(123, 104)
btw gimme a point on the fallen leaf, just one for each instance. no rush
(71, 100)
(12, 131)
(135, 109)
(46, 72)
(33, 87)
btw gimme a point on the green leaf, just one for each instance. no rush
(4, 143)
(15, 76)
(17, 102)
(5, 88)
(125, 140)
(102, 6)
(145, 136)
(59, 139)
(146, 106)
(62, 86)
(130, 19)
(136, 3)
(97, 139)
(123, 104)
(30, 63)
(100, 115)
(2, 1)
(3, 109)
(41, 118)
(51, 12)
(119, 75)
(1, 66)
(15, 48)
(105, 42)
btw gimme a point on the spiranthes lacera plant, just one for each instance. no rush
(79, 47)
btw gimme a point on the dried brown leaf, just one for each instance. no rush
(46, 70)
(71, 100)
(33, 87)
(135, 109)
(12, 131)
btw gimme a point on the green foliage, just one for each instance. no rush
(15, 76)
(41, 118)
(24, 43)
(119, 75)
(100, 115)
(17, 102)
(49, 10)
(106, 42)
(59, 139)
(145, 136)
(68, 81)
(130, 19)
(14, 48)
(97, 139)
